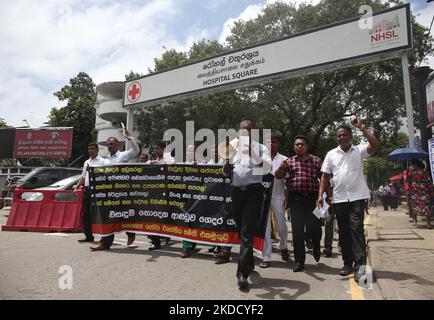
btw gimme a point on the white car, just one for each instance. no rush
(64, 184)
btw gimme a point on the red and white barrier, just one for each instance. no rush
(45, 211)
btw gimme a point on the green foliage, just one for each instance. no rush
(311, 105)
(214, 111)
(170, 59)
(314, 105)
(3, 123)
(132, 75)
(378, 168)
(78, 113)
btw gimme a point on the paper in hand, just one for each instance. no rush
(125, 132)
(323, 211)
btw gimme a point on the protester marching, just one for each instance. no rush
(232, 154)
(231, 202)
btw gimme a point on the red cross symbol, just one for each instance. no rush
(134, 91)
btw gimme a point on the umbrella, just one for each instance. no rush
(407, 154)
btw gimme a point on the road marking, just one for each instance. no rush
(367, 219)
(124, 242)
(58, 234)
(356, 291)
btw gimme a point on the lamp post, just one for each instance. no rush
(26, 122)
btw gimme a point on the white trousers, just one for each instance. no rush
(277, 206)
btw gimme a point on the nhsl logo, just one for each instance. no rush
(384, 30)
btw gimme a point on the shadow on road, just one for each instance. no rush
(276, 287)
(401, 276)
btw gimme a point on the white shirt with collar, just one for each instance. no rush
(124, 156)
(243, 172)
(165, 159)
(168, 158)
(90, 163)
(212, 161)
(347, 169)
(200, 162)
(278, 184)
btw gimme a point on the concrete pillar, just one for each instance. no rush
(421, 75)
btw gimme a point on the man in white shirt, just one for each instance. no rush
(350, 191)
(94, 160)
(116, 156)
(251, 161)
(159, 157)
(191, 158)
(384, 191)
(277, 207)
(215, 159)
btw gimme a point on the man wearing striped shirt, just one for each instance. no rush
(302, 173)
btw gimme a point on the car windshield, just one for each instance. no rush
(63, 183)
(28, 176)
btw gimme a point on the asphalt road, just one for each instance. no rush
(33, 264)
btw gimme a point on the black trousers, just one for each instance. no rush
(410, 208)
(156, 240)
(302, 218)
(393, 201)
(328, 230)
(246, 210)
(351, 233)
(385, 200)
(87, 208)
(107, 241)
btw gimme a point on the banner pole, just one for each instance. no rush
(130, 126)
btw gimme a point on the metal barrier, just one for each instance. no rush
(45, 211)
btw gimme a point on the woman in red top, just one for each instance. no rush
(421, 191)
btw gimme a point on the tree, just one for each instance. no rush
(78, 113)
(311, 105)
(5, 162)
(213, 111)
(132, 75)
(377, 167)
(314, 105)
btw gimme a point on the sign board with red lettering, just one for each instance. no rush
(383, 35)
(43, 143)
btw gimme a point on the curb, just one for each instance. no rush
(371, 231)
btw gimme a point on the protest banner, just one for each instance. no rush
(185, 202)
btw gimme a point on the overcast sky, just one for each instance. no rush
(44, 43)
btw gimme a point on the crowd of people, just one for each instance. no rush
(300, 183)
(418, 193)
(389, 194)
